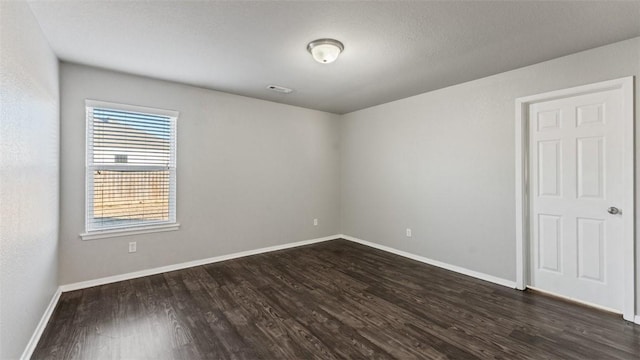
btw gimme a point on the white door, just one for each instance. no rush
(576, 186)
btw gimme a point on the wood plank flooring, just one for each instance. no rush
(333, 300)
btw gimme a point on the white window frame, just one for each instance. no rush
(168, 225)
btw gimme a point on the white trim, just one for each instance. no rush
(454, 268)
(100, 234)
(629, 253)
(185, 265)
(522, 182)
(131, 108)
(522, 217)
(188, 264)
(35, 338)
(637, 319)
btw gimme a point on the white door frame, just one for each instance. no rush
(522, 182)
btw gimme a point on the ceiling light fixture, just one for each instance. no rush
(325, 50)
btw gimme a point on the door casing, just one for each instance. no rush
(625, 86)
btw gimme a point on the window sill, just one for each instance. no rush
(126, 232)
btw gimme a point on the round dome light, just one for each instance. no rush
(325, 51)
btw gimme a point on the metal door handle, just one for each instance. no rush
(613, 210)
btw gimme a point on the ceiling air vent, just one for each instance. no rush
(280, 89)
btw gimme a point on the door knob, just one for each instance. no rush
(613, 210)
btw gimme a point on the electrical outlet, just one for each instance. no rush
(133, 247)
(315, 222)
(408, 232)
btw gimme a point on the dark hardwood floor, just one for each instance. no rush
(333, 300)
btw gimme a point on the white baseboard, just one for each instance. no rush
(637, 319)
(440, 264)
(185, 265)
(35, 338)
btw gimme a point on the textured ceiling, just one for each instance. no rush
(392, 49)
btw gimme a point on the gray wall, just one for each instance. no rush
(442, 163)
(251, 174)
(29, 128)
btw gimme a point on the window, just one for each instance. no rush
(130, 169)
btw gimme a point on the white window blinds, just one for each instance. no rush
(131, 166)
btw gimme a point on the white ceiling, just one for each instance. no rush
(392, 49)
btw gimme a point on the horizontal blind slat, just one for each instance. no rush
(99, 112)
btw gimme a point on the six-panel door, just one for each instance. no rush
(576, 154)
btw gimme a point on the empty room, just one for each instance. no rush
(319, 179)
